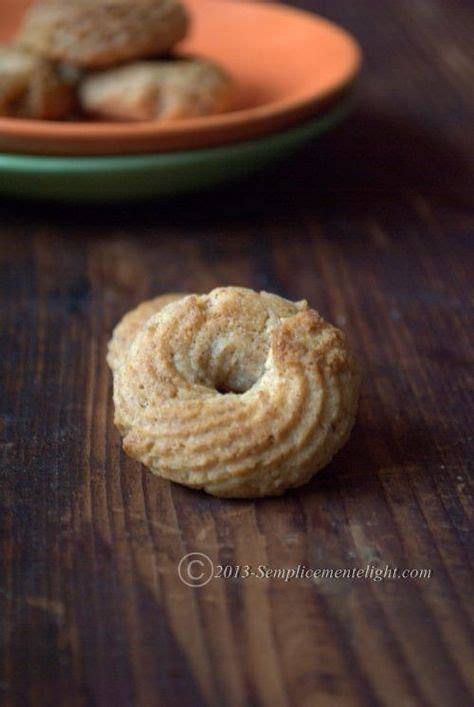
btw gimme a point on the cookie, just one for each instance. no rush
(239, 393)
(157, 90)
(31, 87)
(102, 33)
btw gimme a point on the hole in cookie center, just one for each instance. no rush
(224, 389)
(232, 363)
(238, 377)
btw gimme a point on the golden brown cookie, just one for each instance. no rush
(129, 325)
(31, 87)
(157, 90)
(239, 393)
(100, 33)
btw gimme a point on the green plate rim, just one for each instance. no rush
(44, 163)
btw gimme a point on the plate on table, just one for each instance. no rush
(288, 66)
(144, 176)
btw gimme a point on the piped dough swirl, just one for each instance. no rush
(239, 393)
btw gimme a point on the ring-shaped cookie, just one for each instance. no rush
(239, 393)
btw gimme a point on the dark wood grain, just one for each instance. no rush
(374, 225)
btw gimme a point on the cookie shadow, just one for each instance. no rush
(375, 452)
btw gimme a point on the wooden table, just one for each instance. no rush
(374, 226)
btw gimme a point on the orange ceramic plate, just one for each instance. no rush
(287, 64)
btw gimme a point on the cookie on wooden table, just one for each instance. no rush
(239, 393)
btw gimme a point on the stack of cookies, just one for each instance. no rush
(107, 59)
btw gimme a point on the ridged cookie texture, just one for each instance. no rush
(101, 33)
(130, 324)
(239, 393)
